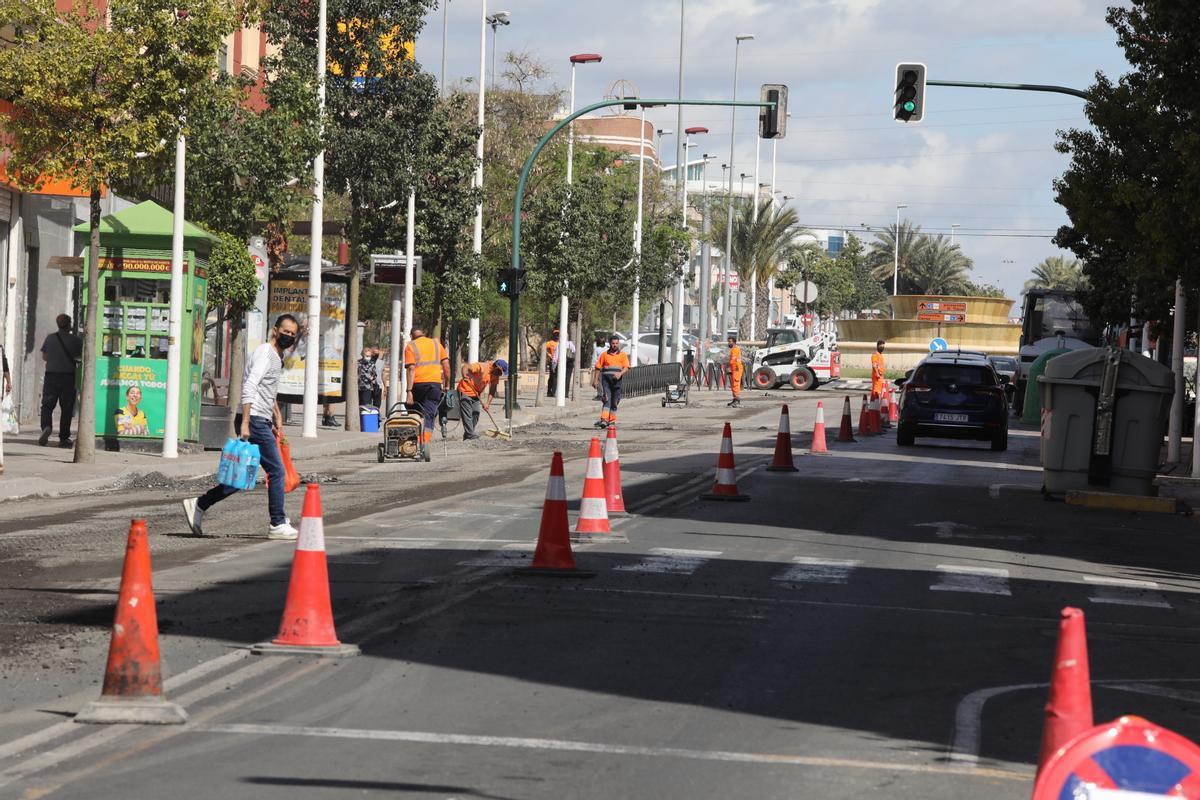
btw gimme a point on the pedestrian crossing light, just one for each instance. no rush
(510, 282)
(910, 93)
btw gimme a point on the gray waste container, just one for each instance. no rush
(1104, 414)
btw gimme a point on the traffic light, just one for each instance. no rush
(772, 120)
(910, 93)
(510, 282)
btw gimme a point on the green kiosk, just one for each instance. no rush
(131, 345)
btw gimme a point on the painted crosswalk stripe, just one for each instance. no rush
(669, 561)
(1125, 592)
(817, 570)
(974, 580)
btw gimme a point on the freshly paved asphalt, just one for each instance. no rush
(881, 622)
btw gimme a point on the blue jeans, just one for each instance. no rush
(263, 435)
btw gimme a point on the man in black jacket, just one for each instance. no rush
(61, 351)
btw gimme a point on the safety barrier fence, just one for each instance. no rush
(651, 379)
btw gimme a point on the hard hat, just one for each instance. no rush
(502, 364)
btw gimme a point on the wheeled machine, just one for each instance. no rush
(402, 435)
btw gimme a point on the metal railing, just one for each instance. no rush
(651, 379)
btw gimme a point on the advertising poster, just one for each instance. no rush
(137, 393)
(290, 296)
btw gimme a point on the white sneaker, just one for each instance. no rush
(194, 514)
(284, 532)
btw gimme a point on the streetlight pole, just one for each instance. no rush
(560, 383)
(686, 272)
(705, 271)
(477, 184)
(754, 264)
(737, 48)
(723, 267)
(636, 313)
(170, 448)
(496, 20)
(312, 354)
(681, 177)
(953, 230)
(445, 28)
(896, 267)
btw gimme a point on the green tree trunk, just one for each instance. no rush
(237, 364)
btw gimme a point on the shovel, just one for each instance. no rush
(495, 432)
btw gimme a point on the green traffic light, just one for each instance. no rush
(910, 106)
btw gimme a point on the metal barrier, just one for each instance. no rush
(651, 379)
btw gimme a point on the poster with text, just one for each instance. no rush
(290, 296)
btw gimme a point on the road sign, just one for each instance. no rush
(806, 292)
(1129, 758)
(938, 344)
(733, 280)
(925, 316)
(388, 269)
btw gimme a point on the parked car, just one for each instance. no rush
(647, 349)
(1005, 366)
(954, 396)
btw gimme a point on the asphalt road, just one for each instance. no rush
(880, 622)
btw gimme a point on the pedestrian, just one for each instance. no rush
(568, 347)
(737, 369)
(61, 351)
(7, 374)
(552, 364)
(877, 371)
(258, 422)
(427, 371)
(367, 378)
(476, 377)
(379, 361)
(610, 368)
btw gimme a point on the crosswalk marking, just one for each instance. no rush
(975, 580)
(670, 561)
(1125, 592)
(817, 570)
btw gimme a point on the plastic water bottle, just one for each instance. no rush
(224, 473)
(253, 460)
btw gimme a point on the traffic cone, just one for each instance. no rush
(885, 413)
(614, 500)
(593, 508)
(818, 440)
(553, 555)
(876, 427)
(846, 431)
(782, 462)
(864, 424)
(893, 411)
(307, 624)
(132, 690)
(1069, 707)
(725, 487)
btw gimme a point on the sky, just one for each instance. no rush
(981, 159)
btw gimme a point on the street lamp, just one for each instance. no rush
(896, 267)
(496, 20)
(677, 310)
(312, 353)
(737, 49)
(953, 230)
(445, 28)
(705, 270)
(477, 181)
(636, 313)
(560, 388)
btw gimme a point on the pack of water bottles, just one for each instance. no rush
(240, 460)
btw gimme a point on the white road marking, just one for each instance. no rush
(1125, 592)
(940, 462)
(817, 570)
(507, 556)
(669, 561)
(974, 580)
(945, 530)
(573, 746)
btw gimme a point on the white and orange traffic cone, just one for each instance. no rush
(885, 413)
(846, 430)
(593, 508)
(782, 462)
(307, 624)
(893, 409)
(725, 487)
(875, 427)
(818, 440)
(132, 692)
(613, 498)
(553, 556)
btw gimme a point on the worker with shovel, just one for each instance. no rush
(476, 377)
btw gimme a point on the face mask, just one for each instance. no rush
(285, 340)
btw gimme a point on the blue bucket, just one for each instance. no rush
(369, 417)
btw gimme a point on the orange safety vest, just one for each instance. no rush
(735, 360)
(610, 364)
(425, 356)
(477, 376)
(877, 372)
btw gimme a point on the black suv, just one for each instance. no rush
(954, 396)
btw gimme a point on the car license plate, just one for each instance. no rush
(949, 417)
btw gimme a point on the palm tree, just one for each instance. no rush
(881, 258)
(939, 268)
(761, 251)
(1058, 272)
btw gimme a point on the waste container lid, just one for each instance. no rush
(1087, 367)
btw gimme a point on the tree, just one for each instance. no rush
(845, 281)
(88, 94)
(972, 289)
(882, 255)
(1057, 272)
(232, 285)
(1133, 184)
(939, 267)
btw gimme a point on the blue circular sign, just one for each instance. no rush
(938, 344)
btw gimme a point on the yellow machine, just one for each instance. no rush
(402, 436)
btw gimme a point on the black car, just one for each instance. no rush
(954, 396)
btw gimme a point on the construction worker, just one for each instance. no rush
(610, 368)
(427, 374)
(552, 363)
(477, 376)
(877, 371)
(737, 368)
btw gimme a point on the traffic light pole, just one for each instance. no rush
(1024, 87)
(514, 302)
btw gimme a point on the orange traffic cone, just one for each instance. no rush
(613, 498)
(593, 508)
(893, 411)
(846, 431)
(307, 624)
(885, 413)
(725, 487)
(864, 422)
(873, 422)
(553, 556)
(782, 462)
(1069, 707)
(132, 690)
(818, 440)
